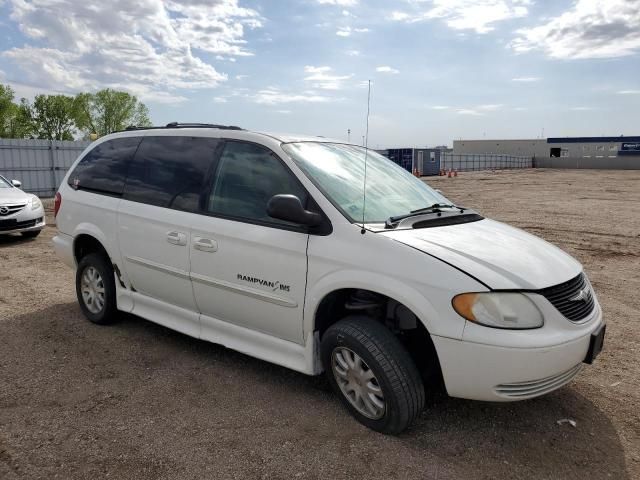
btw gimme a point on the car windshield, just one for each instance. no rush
(338, 171)
(4, 183)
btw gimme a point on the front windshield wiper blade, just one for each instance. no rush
(435, 208)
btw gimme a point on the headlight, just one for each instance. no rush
(498, 310)
(35, 203)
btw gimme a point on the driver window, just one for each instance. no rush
(248, 176)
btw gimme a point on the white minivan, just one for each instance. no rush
(266, 244)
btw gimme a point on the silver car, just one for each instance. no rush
(20, 212)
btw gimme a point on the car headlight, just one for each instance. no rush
(35, 203)
(498, 310)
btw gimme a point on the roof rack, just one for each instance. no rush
(184, 125)
(201, 125)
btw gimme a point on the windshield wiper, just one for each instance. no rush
(435, 208)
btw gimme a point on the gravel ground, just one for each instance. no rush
(135, 400)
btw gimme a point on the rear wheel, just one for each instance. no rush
(372, 374)
(31, 234)
(96, 289)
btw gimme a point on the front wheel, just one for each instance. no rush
(373, 374)
(96, 289)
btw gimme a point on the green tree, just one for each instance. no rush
(109, 110)
(52, 116)
(15, 119)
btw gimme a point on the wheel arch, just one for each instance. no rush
(88, 238)
(334, 286)
(416, 337)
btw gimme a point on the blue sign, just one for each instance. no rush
(630, 147)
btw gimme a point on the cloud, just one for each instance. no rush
(478, 15)
(144, 47)
(342, 3)
(387, 69)
(480, 109)
(589, 29)
(220, 100)
(629, 92)
(468, 111)
(241, 77)
(581, 109)
(274, 96)
(322, 78)
(439, 107)
(526, 79)
(347, 31)
(353, 53)
(284, 112)
(492, 107)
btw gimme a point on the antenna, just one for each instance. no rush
(366, 153)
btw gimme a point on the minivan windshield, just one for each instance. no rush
(338, 171)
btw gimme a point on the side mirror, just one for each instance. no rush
(290, 209)
(16, 183)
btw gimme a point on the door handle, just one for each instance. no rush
(205, 244)
(177, 238)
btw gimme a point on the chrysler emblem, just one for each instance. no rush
(4, 210)
(583, 295)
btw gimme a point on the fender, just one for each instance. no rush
(408, 295)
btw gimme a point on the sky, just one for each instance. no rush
(439, 69)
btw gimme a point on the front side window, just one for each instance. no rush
(170, 172)
(338, 170)
(248, 175)
(104, 169)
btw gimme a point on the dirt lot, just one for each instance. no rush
(136, 400)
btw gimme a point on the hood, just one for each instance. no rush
(13, 195)
(498, 255)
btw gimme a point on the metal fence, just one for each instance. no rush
(39, 164)
(471, 162)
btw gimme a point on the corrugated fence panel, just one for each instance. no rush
(39, 164)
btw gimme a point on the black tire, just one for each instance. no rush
(394, 370)
(108, 313)
(31, 234)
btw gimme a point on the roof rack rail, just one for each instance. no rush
(182, 125)
(201, 125)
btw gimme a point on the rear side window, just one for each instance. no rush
(104, 169)
(248, 175)
(170, 171)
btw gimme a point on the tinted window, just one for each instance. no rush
(104, 168)
(248, 176)
(170, 171)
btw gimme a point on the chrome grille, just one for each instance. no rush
(6, 210)
(573, 299)
(534, 388)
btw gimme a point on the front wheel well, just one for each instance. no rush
(394, 315)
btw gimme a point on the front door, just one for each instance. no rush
(247, 268)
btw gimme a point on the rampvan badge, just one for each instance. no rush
(265, 283)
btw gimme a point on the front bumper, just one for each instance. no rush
(23, 222)
(519, 364)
